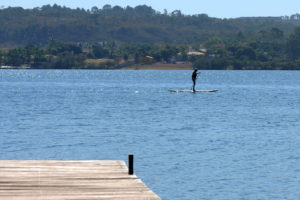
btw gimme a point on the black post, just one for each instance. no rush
(130, 163)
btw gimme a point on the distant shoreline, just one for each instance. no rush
(14, 67)
(160, 66)
(186, 66)
(156, 66)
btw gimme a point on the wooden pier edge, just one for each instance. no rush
(72, 179)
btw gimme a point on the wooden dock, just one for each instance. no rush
(76, 180)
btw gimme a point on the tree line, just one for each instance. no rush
(140, 24)
(269, 49)
(113, 37)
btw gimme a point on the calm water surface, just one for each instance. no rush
(242, 142)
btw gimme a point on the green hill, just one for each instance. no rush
(140, 24)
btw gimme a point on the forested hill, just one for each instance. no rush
(140, 24)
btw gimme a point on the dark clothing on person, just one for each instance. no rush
(194, 78)
(194, 75)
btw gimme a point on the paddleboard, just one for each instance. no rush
(193, 91)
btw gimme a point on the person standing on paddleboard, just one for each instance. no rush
(194, 77)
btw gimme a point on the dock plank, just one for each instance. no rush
(76, 180)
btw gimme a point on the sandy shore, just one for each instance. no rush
(14, 67)
(161, 66)
(156, 66)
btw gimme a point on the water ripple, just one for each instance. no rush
(239, 143)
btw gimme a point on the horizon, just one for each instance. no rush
(228, 9)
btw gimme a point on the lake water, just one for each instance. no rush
(242, 142)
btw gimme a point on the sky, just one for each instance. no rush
(214, 8)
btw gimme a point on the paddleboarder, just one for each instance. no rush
(194, 77)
